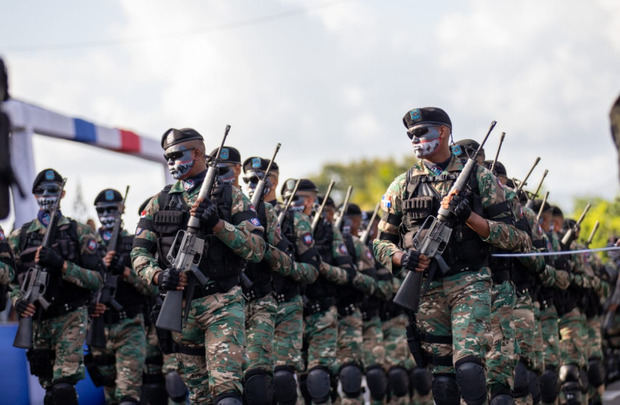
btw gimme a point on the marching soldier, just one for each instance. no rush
(7, 268)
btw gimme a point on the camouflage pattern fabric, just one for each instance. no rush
(152, 351)
(526, 327)
(321, 338)
(303, 273)
(397, 350)
(550, 335)
(259, 329)
(7, 271)
(501, 359)
(538, 356)
(64, 335)
(349, 347)
(289, 333)
(373, 349)
(572, 333)
(126, 342)
(217, 323)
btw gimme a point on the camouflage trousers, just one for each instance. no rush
(289, 333)
(526, 328)
(260, 317)
(373, 349)
(572, 338)
(397, 350)
(458, 306)
(126, 344)
(594, 349)
(349, 348)
(321, 338)
(550, 336)
(64, 335)
(217, 324)
(501, 359)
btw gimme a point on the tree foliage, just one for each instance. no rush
(606, 212)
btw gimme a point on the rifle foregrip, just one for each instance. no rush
(23, 337)
(408, 295)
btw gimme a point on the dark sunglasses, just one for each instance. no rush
(104, 210)
(175, 155)
(417, 132)
(50, 188)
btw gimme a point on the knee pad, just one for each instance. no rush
(175, 387)
(549, 386)
(350, 377)
(318, 384)
(572, 393)
(521, 381)
(49, 397)
(471, 380)
(596, 371)
(421, 380)
(64, 393)
(398, 381)
(570, 383)
(534, 386)
(285, 386)
(128, 401)
(154, 394)
(584, 382)
(41, 362)
(228, 398)
(258, 387)
(502, 399)
(446, 390)
(569, 373)
(377, 381)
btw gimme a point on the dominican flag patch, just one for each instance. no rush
(143, 214)
(254, 221)
(386, 202)
(91, 245)
(2, 237)
(342, 249)
(307, 239)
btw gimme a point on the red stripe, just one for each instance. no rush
(130, 141)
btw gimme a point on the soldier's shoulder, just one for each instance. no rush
(83, 229)
(398, 185)
(240, 200)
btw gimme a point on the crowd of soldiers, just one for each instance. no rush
(292, 301)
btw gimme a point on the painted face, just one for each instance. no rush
(225, 174)
(180, 162)
(47, 194)
(107, 215)
(252, 178)
(425, 139)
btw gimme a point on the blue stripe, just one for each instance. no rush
(84, 131)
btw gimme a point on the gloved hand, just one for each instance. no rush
(168, 280)
(351, 273)
(206, 212)
(458, 204)
(117, 265)
(410, 260)
(51, 259)
(24, 309)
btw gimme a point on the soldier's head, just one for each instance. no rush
(184, 151)
(229, 166)
(108, 204)
(254, 169)
(330, 208)
(429, 129)
(353, 218)
(304, 197)
(545, 217)
(557, 219)
(570, 223)
(46, 188)
(468, 148)
(499, 170)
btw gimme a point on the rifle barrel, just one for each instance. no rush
(528, 174)
(317, 216)
(501, 141)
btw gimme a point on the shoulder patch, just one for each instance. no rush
(254, 221)
(307, 238)
(143, 213)
(342, 249)
(139, 231)
(369, 255)
(228, 226)
(2, 236)
(91, 245)
(386, 202)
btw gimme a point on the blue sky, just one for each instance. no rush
(331, 80)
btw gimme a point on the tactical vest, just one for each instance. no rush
(370, 304)
(63, 295)
(465, 251)
(347, 294)
(260, 273)
(322, 289)
(565, 300)
(285, 288)
(218, 262)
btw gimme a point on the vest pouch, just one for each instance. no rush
(168, 222)
(219, 262)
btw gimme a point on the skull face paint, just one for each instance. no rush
(180, 162)
(252, 179)
(425, 140)
(47, 194)
(107, 216)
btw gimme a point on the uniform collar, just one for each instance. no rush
(37, 225)
(425, 167)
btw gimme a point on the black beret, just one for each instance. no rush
(304, 185)
(258, 163)
(330, 202)
(570, 223)
(537, 203)
(353, 209)
(556, 211)
(498, 170)
(426, 115)
(228, 154)
(109, 195)
(48, 176)
(174, 136)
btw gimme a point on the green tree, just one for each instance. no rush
(606, 212)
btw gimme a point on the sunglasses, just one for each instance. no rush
(50, 188)
(418, 132)
(176, 155)
(106, 210)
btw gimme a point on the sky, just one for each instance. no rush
(331, 80)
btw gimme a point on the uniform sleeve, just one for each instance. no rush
(386, 243)
(246, 237)
(307, 260)
(89, 274)
(7, 262)
(279, 261)
(364, 282)
(144, 247)
(140, 284)
(15, 291)
(385, 287)
(534, 263)
(552, 277)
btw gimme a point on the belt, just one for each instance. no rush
(61, 309)
(314, 306)
(284, 296)
(347, 309)
(112, 316)
(257, 291)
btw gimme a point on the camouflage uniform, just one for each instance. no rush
(121, 362)
(57, 353)
(7, 268)
(212, 340)
(460, 335)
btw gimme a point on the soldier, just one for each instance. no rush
(73, 268)
(118, 366)
(7, 268)
(212, 340)
(466, 148)
(229, 165)
(454, 311)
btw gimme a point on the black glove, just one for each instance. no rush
(117, 265)
(460, 206)
(207, 213)
(21, 306)
(351, 273)
(51, 259)
(410, 260)
(168, 280)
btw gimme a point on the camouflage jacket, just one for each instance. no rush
(367, 265)
(239, 238)
(501, 235)
(300, 272)
(7, 261)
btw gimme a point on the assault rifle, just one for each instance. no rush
(527, 176)
(433, 238)
(343, 209)
(107, 294)
(366, 233)
(185, 255)
(532, 197)
(258, 192)
(570, 235)
(594, 229)
(288, 203)
(35, 282)
(542, 207)
(317, 215)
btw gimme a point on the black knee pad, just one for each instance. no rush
(421, 380)
(570, 383)
(572, 393)
(446, 390)
(49, 397)
(258, 387)
(318, 384)
(471, 380)
(350, 377)
(377, 381)
(534, 386)
(64, 393)
(549, 386)
(596, 371)
(584, 382)
(502, 399)
(228, 398)
(153, 394)
(521, 381)
(284, 385)
(175, 387)
(569, 373)
(398, 381)
(128, 401)
(41, 362)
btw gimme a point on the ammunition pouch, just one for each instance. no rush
(321, 305)
(346, 309)
(258, 290)
(112, 316)
(282, 295)
(41, 362)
